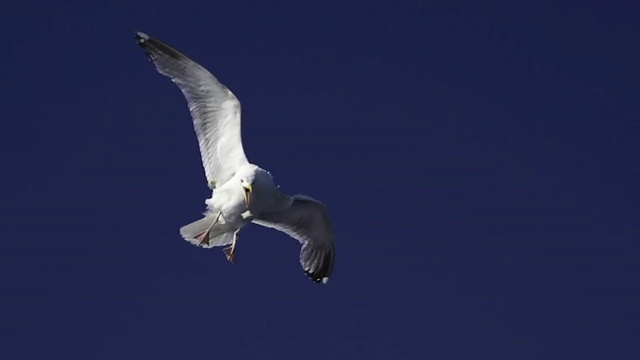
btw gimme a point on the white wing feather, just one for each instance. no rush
(307, 221)
(214, 109)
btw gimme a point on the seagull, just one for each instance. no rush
(242, 193)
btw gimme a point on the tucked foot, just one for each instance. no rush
(230, 251)
(204, 237)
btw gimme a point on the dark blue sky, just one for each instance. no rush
(479, 162)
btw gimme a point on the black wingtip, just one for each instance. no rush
(317, 279)
(141, 37)
(156, 48)
(321, 274)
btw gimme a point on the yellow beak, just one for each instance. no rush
(246, 191)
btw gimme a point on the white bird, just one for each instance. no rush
(241, 192)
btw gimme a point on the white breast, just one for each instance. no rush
(228, 199)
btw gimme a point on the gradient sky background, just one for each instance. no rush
(480, 163)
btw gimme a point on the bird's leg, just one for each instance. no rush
(230, 251)
(204, 237)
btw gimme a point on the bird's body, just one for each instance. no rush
(231, 202)
(231, 211)
(242, 192)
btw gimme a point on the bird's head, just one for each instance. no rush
(247, 188)
(256, 184)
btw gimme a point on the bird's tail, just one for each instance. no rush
(202, 233)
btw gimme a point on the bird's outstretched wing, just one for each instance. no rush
(307, 221)
(214, 108)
